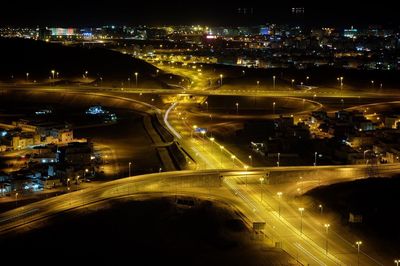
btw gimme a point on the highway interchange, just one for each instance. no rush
(262, 194)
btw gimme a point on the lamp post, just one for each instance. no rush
(279, 194)
(136, 77)
(191, 132)
(237, 108)
(279, 155)
(251, 160)
(397, 262)
(292, 82)
(321, 208)
(273, 107)
(341, 83)
(326, 242)
(273, 81)
(358, 243)
(27, 76)
(130, 163)
(301, 219)
(160, 170)
(315, 158)
(261, 190)
(220, 79)
(233, 160)
(157, 71)
(203, 133)
(53, 72)
(206, 102)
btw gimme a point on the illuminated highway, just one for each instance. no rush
(251, 190)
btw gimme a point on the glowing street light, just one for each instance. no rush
(301, 219)
(358, 243)
(315, 158)
(233, 160)
(327, 231)
(130, 163)
(220, 79)
(27, 76)
(397, 262)
(16, 198)
(194, 129)
(292, 82)
(273, 81)
(279, 156)
(136, 77)
(207, 105)
(321, 208)
(237, 108)
(273, 107)
(53, 72)
(251, 160)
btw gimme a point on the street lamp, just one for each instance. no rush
(292, 82)
(321, 208)
(261, 182)
(136, 77)
(221, 148)
(237, 108)
(207, 105)
(16, 198)
(130, 163)
(397, 262)
(327, 231)
(279, 194)
(203, 132)
(233, 160)
(243, 72)
(258, 83)
(301, 219)
(53, 72)
(194, 129)
(358, 243)
(273, 107)
(315, 158)
(27, 76)
(220, 77)
(279, 155)
(157, 71)
(251, 160)
(159, 170)
(273, 81)
(341, 83)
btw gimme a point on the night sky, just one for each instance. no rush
(118, 12)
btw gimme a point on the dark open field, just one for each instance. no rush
(152, 232)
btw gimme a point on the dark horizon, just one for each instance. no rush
(75, 14)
